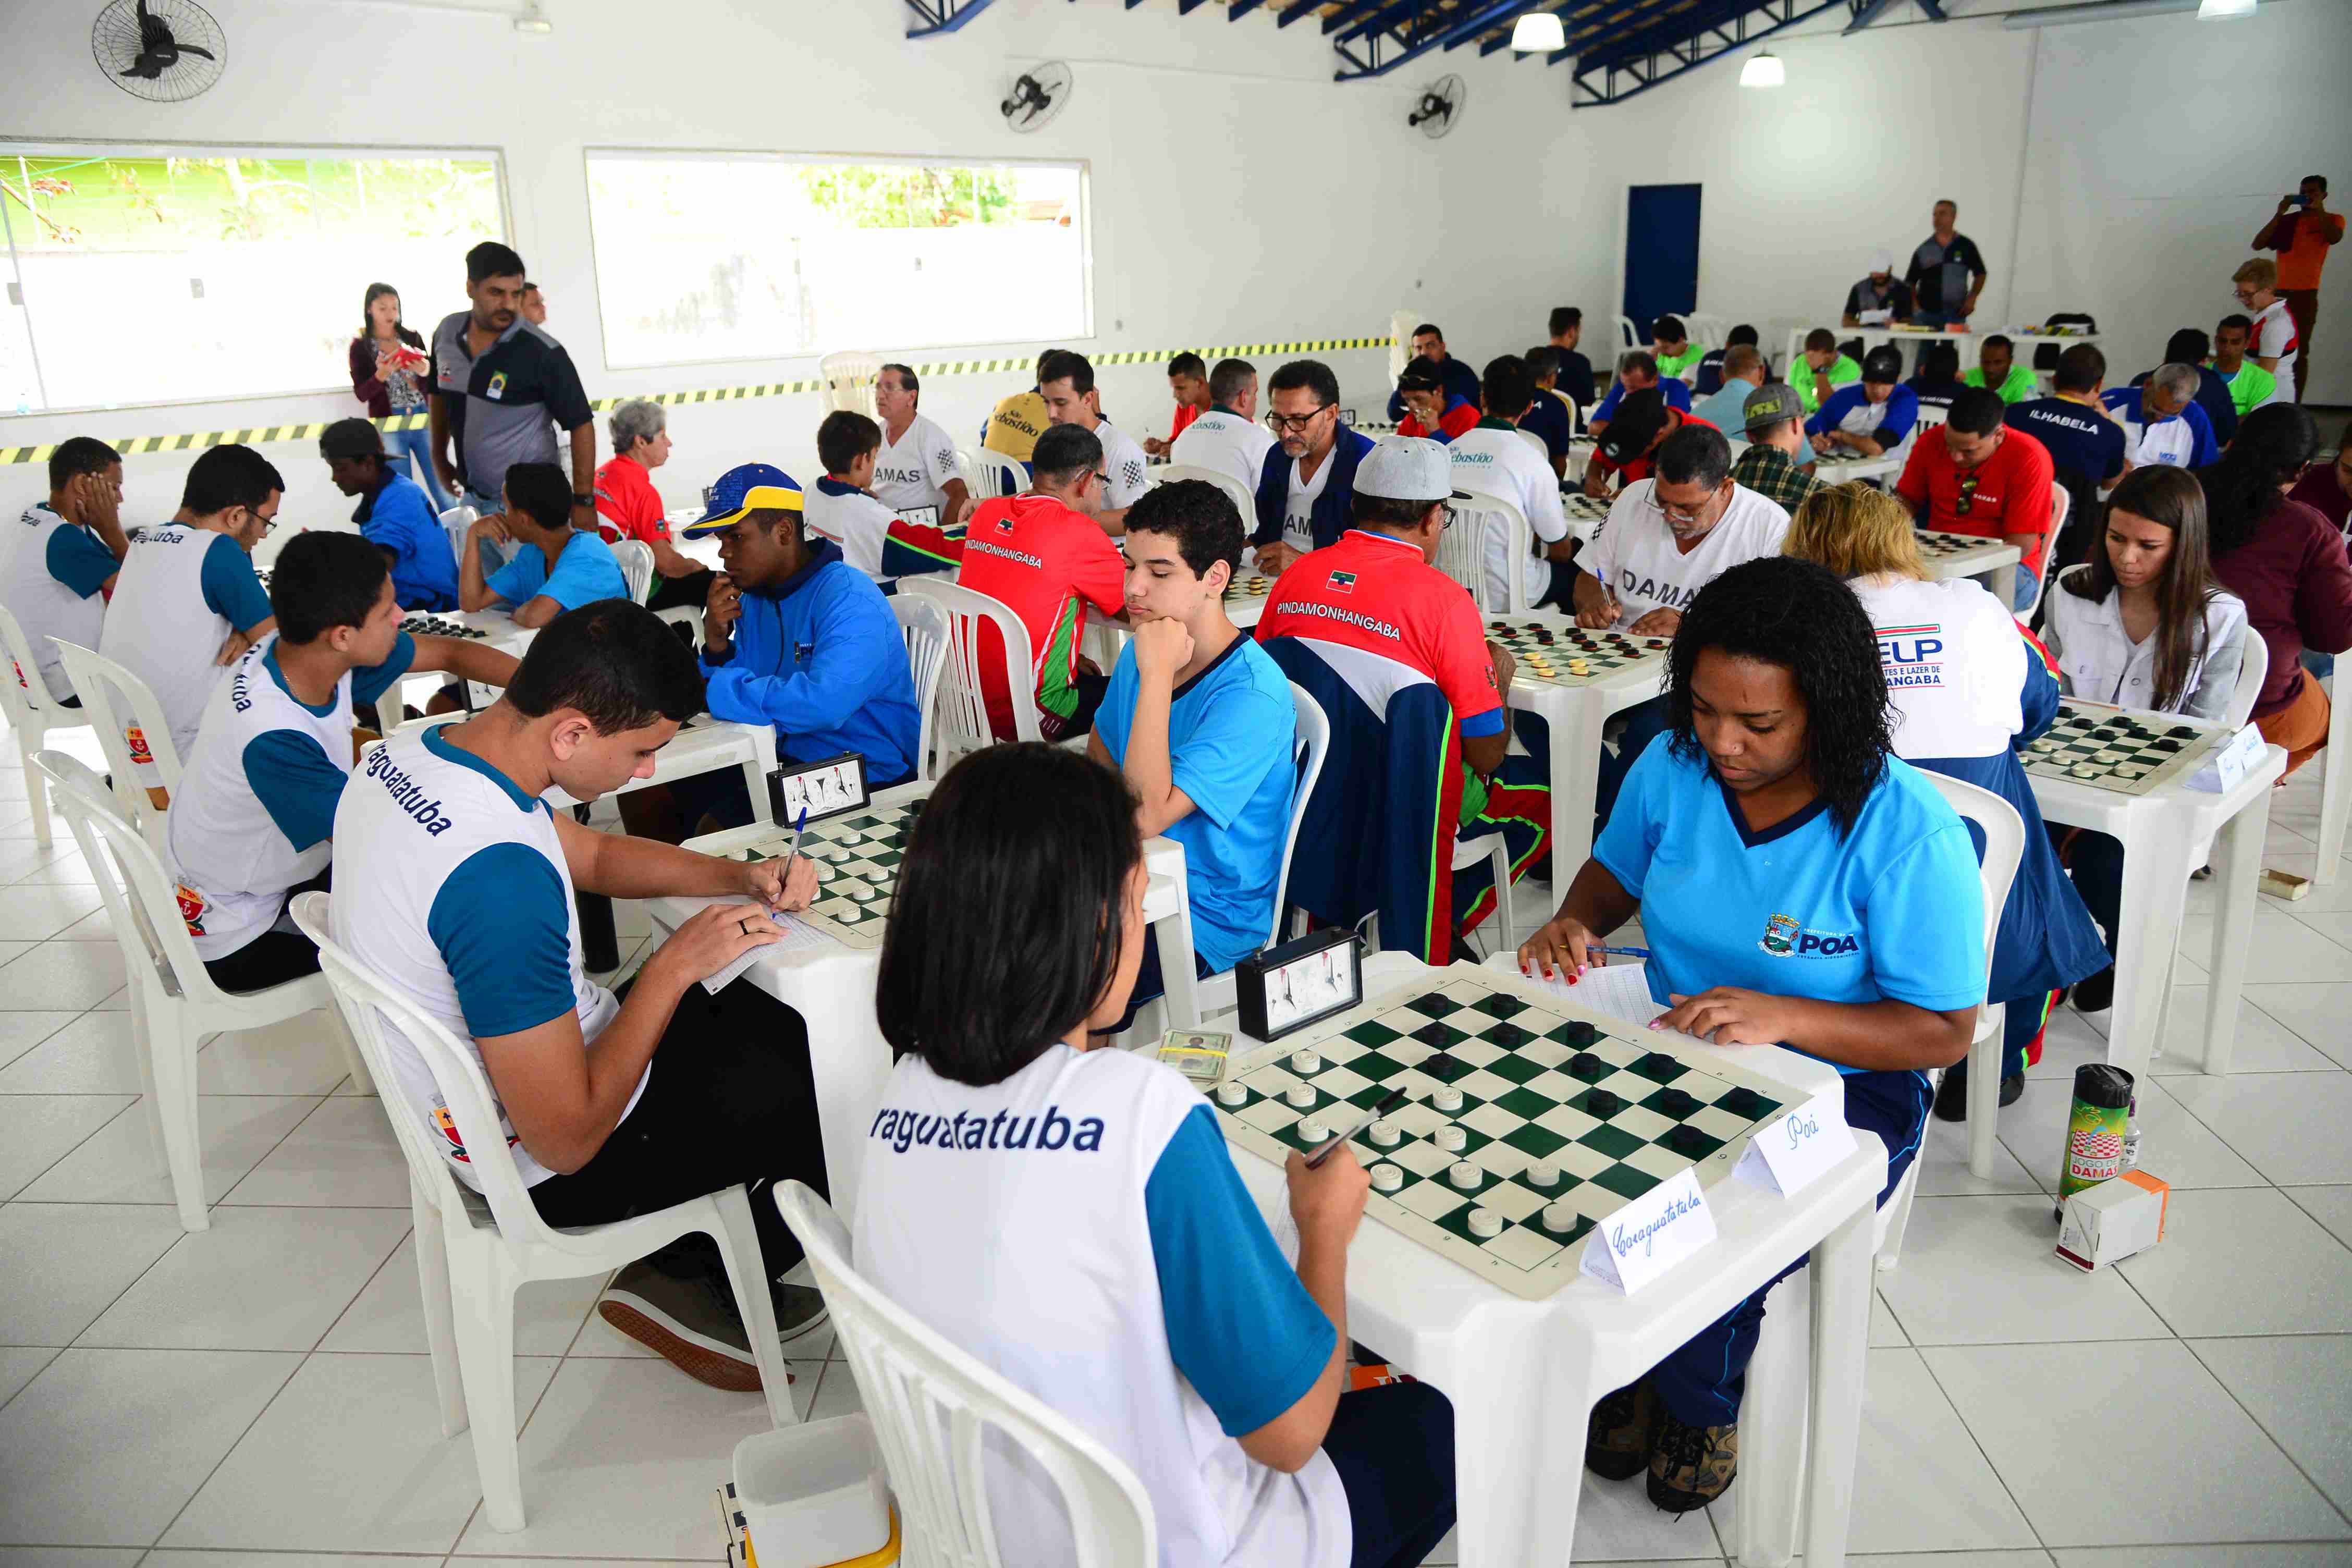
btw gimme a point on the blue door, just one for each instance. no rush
(1661, 253)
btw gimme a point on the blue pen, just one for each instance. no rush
(1618, 951)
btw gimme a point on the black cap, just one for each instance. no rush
(354, 438)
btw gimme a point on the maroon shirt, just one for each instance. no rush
(2318, 490)
(2297, 587)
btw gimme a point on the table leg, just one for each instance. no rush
(849, 1063)
(1519, 1395)
(2237, 865)
(2003, 581)
(1841, 1325)
(2154, 891)
(1575, 766)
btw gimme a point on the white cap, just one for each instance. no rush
(1882, 261)
(1407, 468)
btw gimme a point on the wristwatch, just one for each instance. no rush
(580, 500)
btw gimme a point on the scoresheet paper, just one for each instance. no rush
(798, 934)
(1620, 990)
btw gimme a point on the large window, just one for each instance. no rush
(728, 257)
(177, 277)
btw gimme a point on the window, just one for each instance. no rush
(167, 277)
(728, 257)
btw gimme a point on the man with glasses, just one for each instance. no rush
(186, 604)
(1984, 479)
(1668, 536)
(2277, 344)
(1306, 491)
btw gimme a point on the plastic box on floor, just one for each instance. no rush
(810, 1496)
(2110, 1222)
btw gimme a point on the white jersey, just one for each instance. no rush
(439, 858)
(50, 573)
(1229, 443)
(915, 470)
(2275, 338)
(1502, 462)
(2097, 659)
(242, 793)
(1635, 558)
(183, 591)
(1955, 665)
(1013, 1219)
(1123, 468)
(1298, 500)
(853, 518)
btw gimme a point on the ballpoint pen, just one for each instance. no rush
(1323, 1151)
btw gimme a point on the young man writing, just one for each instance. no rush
(188, 603)
(1188, 384)
(1201, 722)
(556, 568)
(1670, 344)
(1071, 399)
(1043, 556)
(457, 887)
(254, 820)
(1870, 418)
(842, 508)
(395, 515)
(58, 560)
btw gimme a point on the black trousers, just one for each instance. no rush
(688, 592)
(275, 956)
(1393, 1447)
(730, 1102)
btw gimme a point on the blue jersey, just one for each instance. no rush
(585, 572)
(1231, 735)
(1849, 408)
(399, 519)
(1677, 396)
(2081, 442)
(1890, 911)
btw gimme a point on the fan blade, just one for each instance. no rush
(142, 10)
(192, 49)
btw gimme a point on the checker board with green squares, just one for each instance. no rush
(856, 860)
(1513, 1059)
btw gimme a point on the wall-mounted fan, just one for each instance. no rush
(1037, 96)
(166, 51)
(1439, 107)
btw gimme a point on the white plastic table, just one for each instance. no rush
(1993, 559)
(2167, 834)
(1524, 1376)
(831, 988)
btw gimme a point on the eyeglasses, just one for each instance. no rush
(1292, 424)
(1675, 516)
(1967, 500)
(1447, 507)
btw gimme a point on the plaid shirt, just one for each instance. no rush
(1768, 471)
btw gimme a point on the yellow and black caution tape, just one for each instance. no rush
(261, 435)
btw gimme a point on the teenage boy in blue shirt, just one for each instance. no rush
(1199, 718)
(558, 567)
(395, 514)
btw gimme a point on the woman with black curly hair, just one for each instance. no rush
(1799, 885)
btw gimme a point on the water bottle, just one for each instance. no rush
(2094, 1129)
(2131, 1132)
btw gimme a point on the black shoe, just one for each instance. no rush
(1617, 1437)
(1691, 1466)
(1952, 1094)
(2097, 993)
(2013, 1089)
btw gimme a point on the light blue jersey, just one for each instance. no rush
(585, 572)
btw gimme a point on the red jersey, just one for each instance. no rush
(1046, 564)
(1460, 415)
(627, 505)
(1374, 592)
(2009, 493)
(1185, 414)
(1640, 468)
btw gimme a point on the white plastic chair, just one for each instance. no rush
(2062, 503)
(1772, 1475)
(934, 1406)
(1217, 994)
(926, 625)
(1235, 491)
(175, 1005)
(107, 691)
(474, 1250)
(1000, 475)
(636, 558)
(2335, 786)
(31, 712)
(454, 524)
(1461, 552)
(963, 718)
(849, 378)
(1629, 336)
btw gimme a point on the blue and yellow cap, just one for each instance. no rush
(750, 486)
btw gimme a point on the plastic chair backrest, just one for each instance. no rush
(636, 558)
(1400, 326)
(1629, 336)
(2252, 670)
(1314, 745)
(1001, 475)
(1527, 435)
(849, 378)
(108, 694)
(139, 895)
(925, 624)
(1461, 552)
(28, 692)
(2060, 503)
(365, 1002)
(934, 1406)
(1235, 491)
(963, 723)
(454, 524)
(2004, 843)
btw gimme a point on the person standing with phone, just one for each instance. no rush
(2301, 231)
(387, 363)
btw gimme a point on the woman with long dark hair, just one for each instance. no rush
(1798, 885)
(2288, 566)
(2144, 623)
(388, 366)
(1071, 1216)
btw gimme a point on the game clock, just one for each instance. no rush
(1295, 984)
(822, 789)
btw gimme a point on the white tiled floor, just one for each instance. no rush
(258, 1396)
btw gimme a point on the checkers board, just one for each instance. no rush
(435, 627)
(1560, 1120)
(1248, 590)
(856, 860)
(1945, 546)
(2127, 750)
(1551, 653)
(1585, 509)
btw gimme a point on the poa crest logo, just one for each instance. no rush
(1784, 937)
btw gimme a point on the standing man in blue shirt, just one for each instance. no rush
(1200, 720)
(395, 515)
(558, 567)
(795, 636)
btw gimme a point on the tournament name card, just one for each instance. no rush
(2228, 765)
(1650, 1234)
(1791, 1153)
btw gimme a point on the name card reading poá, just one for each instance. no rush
(1793, 1152)
(1650, 1234)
